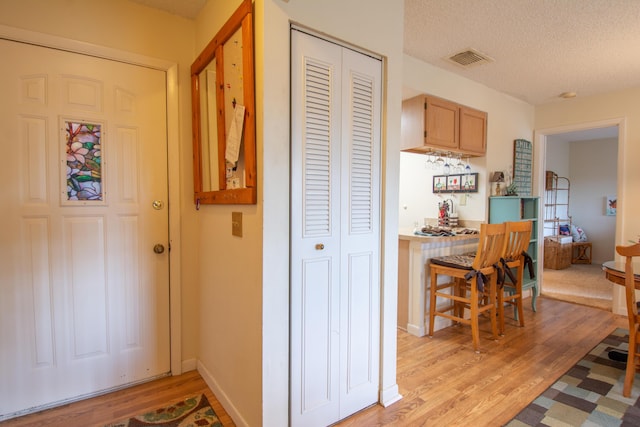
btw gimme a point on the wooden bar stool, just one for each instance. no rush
(517, 237)
(479, 270)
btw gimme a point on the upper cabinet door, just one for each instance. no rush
(441, 120)
(434, 124)
(473, 131)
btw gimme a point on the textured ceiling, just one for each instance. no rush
(540, 48)
(185, 8)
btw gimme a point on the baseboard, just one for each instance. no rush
(416, 330)
(221, 396)
(389, 396)
(189, 365)
(421, 331)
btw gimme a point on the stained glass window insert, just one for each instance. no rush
(84, 160)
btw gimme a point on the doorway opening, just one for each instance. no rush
(588, 157)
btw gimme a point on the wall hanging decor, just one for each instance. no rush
(611, 205)
(457, 183)
(523, 166)
(223, 115)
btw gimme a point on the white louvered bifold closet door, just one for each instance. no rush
(335, 221)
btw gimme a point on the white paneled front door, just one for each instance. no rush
(335, 231)
(84, 257)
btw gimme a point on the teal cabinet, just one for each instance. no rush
(516, 208)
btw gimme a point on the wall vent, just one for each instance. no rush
(469, 58)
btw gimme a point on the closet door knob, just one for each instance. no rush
(319, 246)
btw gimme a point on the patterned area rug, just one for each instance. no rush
(590, 394)
(192, 412)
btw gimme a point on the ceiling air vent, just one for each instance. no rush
(469, 57)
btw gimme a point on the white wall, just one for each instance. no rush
(593, 174)
(230, 298)
(508, 119)
(417, 200)
(591, 167)
(558, 156)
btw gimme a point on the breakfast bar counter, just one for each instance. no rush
(414, 253)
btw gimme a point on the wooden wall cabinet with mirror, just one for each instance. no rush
(223, 115)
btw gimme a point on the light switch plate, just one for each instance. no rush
(236, 224)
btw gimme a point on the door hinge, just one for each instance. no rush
(425, 105)
(425, 133)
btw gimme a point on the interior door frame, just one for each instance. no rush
(173, 164)
(540, 155)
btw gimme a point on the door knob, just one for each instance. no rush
(158, 248)
(319, 246)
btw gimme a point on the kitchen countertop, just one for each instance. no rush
(409, 235)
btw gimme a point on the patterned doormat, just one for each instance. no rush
(192, 412)
(590, 394)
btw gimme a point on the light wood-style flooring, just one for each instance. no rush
(445, 383)
(123, 404)
(442, 380)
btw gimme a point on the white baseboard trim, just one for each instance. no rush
(422, 330)
(389, 396)
(416, 330)
(222, 397)
(189, 365)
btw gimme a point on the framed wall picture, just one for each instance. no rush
(439, 183)
(453, 182)
(470, 183)
(456, 183)
(611, 203)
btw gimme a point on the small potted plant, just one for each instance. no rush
(512, 189)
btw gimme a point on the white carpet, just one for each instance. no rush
(580, 283)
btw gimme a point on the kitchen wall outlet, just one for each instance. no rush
(236, 224)
(463, 199)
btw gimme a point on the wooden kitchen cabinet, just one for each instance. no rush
(473, 131)
(432, 123)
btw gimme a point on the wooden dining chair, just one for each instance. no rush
(633, 359)
(516, 243)
(479, 270)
